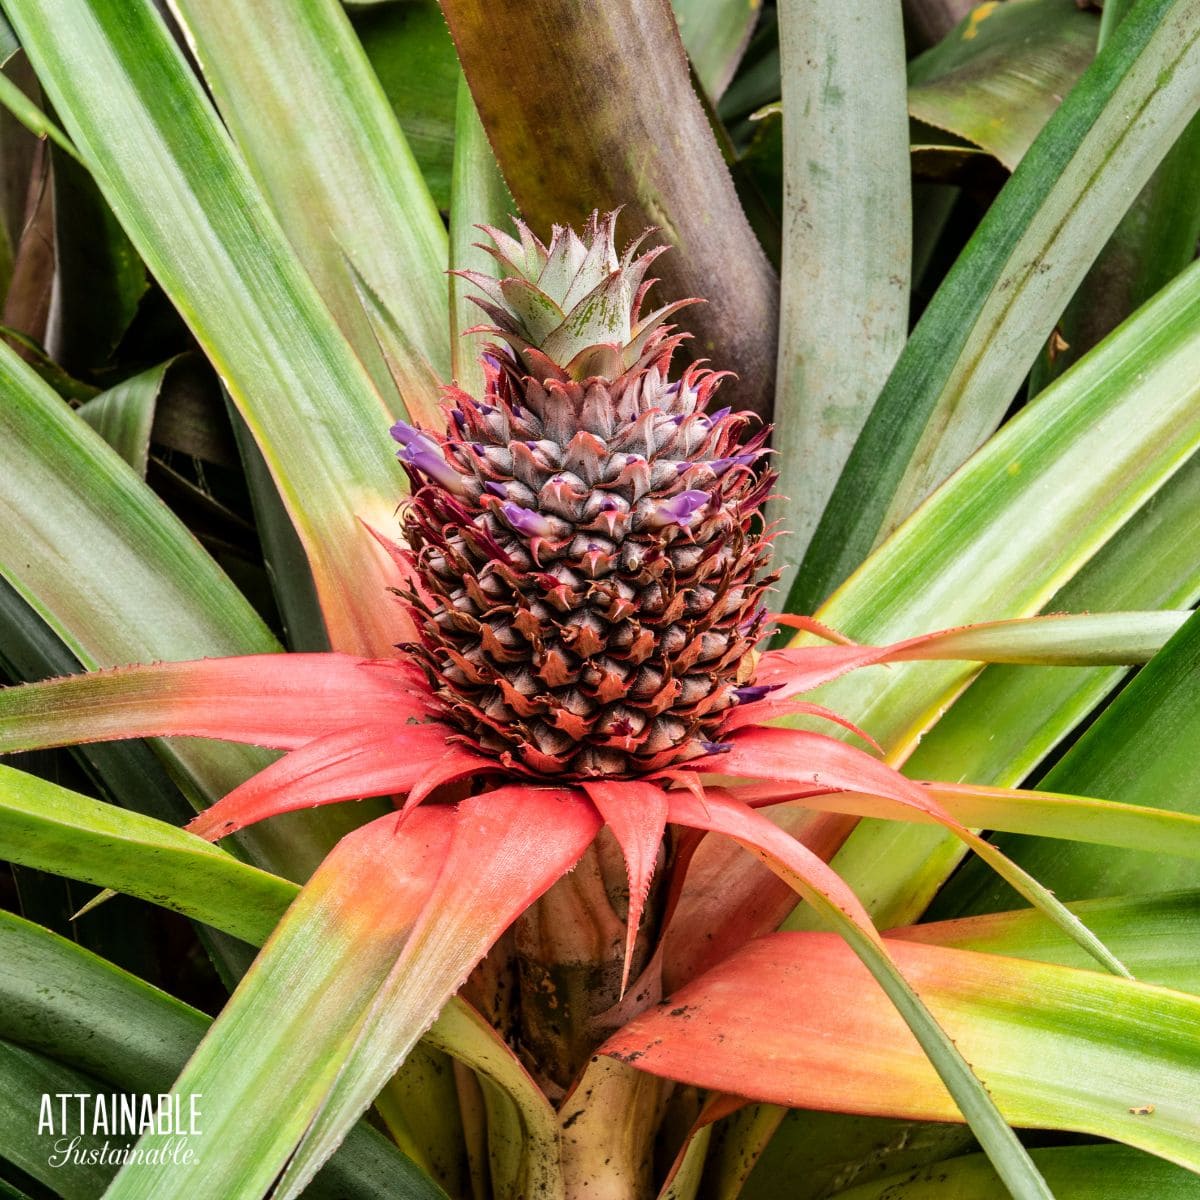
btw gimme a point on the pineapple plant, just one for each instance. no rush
(532, 955)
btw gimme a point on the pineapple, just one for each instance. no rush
(585, 533)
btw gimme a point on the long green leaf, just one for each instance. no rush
(1073, 1173)
(171, 174)
(126, 582)
(983, 329)
(49, 828)
(345, 181)
(1143, 750)
(59, 999)
(100, 282)
(53, 829)
(116, 536)
(847, 244)
(478, 196)
(1154, 241)
(615, 84)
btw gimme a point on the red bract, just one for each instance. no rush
(355, 728)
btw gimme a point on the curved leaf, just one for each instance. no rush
(983, 329)
(183, 195)
(45, 826)
(998, 77)
(1028, 1028)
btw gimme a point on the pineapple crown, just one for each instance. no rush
(572, 309)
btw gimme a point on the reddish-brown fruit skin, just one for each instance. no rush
(570, 626)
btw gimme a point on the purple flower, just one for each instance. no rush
(721, 465)
(422, 453)
(524, 521)
(680, 509)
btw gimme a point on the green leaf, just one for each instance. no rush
(346, 181)
(1142, 750)
(847, 245)
(1155, 240)
(982, 331)
(168, 169)
(478, 196)
(1073, 1173)
(813, 1151)
(124, 415)
(1025, 712)
(35, 354)
(616, 83)
(60, 1000)
(522, 1127)
(413, 57)
(324, 964)
(47, 827)
(715, 35)
(1001, 74)
(1155, 831)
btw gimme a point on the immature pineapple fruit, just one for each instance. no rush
(582, 534)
